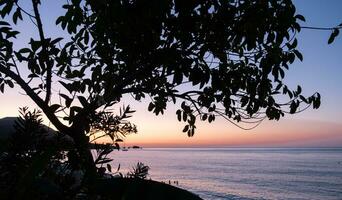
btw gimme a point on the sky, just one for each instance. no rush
(320, 71)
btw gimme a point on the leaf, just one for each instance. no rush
(6, 9)
(303, 98)
(150, 107)
(298, 54)
(16, 15)
(25, 50)
(191, 132)
(293, 107)
(204, 117)
(9, 83)
(210, 119)
(186, 128)
(83, 101)
(290, 94)
(211, 109)
(2, 86)
(300, 17)
(317, 101)
(68, 100)
(294, 44)
(32, 76)
(179, 115)
(35, 45)
(279, 86)
(299, 89)
(333, 35)
(192, 120)
(3, 23)
(183, 105)
(185, 116)
(54, 107)
(291, 58)
(56, 40)
(67, 86)
(86, 37)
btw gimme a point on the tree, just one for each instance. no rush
(31, 152)
(213, 58)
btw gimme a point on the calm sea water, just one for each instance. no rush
(244, 173)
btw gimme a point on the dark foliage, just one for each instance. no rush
(232, 54)
(29, 165)
(139, 171)
(211, 58)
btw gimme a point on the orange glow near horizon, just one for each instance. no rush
(166, 131)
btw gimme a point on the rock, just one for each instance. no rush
(133, 188)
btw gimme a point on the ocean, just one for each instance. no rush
(243, 173)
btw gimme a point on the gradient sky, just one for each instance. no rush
(320, 71)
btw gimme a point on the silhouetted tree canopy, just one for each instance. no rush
(210, 58)
(230, 55)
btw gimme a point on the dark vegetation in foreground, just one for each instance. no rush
(35, 164)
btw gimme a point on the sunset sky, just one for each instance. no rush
(320, 71)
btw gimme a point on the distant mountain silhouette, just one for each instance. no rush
(7, 128)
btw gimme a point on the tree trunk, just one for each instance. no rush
(85, 156)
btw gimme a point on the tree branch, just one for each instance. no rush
(43, 105)
(44, 50)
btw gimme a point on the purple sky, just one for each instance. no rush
(320, 71)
